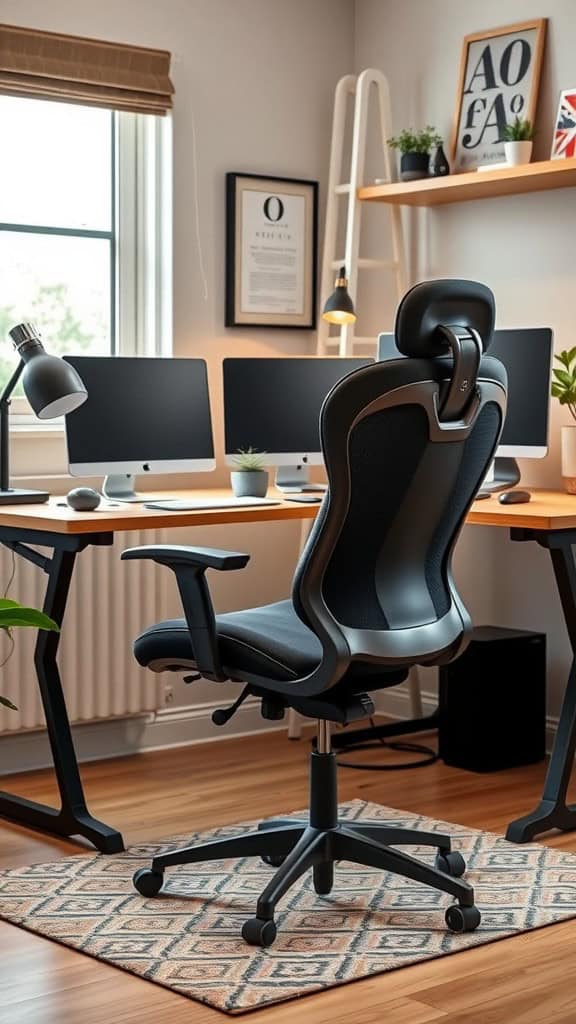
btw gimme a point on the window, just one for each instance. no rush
(84, 229)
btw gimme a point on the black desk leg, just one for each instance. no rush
(73, 818)
(553, 811)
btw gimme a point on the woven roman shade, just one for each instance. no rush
(91, 71)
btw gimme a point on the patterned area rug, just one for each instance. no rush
(188, 939)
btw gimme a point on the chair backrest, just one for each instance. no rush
(406, 445)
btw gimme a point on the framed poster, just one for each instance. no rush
(499, 79)
(271, 241)
(564, 141)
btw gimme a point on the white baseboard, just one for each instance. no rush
(395, 702)
(120, 737)
(177, 727)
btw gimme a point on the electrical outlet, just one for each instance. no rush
(168, 694)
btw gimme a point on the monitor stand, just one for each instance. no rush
(503, 474)
(120, 487)
(294, 480)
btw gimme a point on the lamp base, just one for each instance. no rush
(15, 496)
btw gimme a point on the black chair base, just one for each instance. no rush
(294, 847)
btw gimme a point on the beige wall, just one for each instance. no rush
(524, 247)
(257, 78)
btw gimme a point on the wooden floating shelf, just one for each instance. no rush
(459, 188)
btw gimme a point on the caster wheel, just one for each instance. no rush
(257, 932)
(148, 882)
(450, 863)
(274, 862)
(462, 919)
(323, 876)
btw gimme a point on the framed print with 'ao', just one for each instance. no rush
(499, 78)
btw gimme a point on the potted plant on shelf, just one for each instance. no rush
(12, 615)
(518, 139)
(564, 389)
(249, 479)
(415, 147)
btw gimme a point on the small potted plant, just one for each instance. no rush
(518, 139)
(13, 614)
(415, 147)
(249, 479)
(564, 389)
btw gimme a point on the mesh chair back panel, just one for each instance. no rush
(407, 498)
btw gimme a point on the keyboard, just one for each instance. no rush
(191, 504)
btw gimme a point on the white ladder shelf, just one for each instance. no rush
(361, 87)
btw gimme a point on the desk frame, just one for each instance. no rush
(553, 811)
(73, 816)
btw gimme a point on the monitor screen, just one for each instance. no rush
(141, 415)
(527, 356)
(526, 352)
(273, 405)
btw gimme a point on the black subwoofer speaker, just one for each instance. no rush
(493, 701)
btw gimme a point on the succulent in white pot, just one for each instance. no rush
(249, 479)
(518, 140)
(564, 389)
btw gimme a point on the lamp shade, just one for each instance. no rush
(52, 386)
(339, 308)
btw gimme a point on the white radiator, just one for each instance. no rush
(109, 603)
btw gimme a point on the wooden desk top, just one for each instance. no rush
(56, 517)
(548, 510)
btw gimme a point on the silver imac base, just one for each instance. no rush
(120, 487)
(503, 474)
(295, 480)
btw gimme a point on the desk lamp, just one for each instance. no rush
(339, 308)
(52, 387)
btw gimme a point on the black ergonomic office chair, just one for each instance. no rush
(406, 446)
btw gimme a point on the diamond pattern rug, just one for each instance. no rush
(188, 938)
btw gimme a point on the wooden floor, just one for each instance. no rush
(528, 979)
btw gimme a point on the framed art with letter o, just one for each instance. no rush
(271, 242)
(499, 79)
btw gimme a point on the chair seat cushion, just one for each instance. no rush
(270, 641)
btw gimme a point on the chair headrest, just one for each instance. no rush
(448, 303)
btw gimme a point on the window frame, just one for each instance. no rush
(140, 239)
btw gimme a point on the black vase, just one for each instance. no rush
(440, 165)
(414, 165)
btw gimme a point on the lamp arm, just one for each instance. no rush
(4, 436)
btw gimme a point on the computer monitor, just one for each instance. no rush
(526, 353)
(142, 415)
(273, 406)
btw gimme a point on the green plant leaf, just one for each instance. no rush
(420, 141)
(8, 704)
(19, 616)
(564, 377)
(248, 460)
(519, 130)
(6, 602)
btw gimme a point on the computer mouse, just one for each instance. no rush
(514, 497)
(83, 499)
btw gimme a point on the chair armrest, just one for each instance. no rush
(189, 565)
(173, 555)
